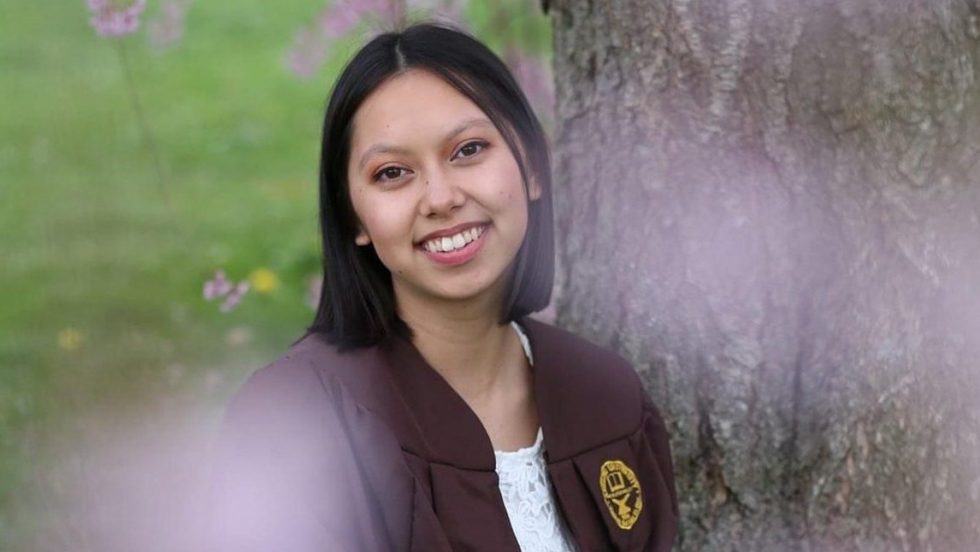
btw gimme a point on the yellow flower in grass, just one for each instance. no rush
(263, 280)
(70, 339)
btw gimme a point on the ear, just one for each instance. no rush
(362, 238)
(533, 189)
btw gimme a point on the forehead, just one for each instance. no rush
(410, 105)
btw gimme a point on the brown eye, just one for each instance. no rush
(388, 173)
(471, 148)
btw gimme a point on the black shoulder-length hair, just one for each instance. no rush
(357, 302)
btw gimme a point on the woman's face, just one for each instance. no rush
(438, 193)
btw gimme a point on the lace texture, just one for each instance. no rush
(530, 500)
(528, 495)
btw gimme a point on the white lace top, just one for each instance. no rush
(528, 495)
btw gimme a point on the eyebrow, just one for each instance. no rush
(386, 148)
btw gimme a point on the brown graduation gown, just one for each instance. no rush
(373, 450)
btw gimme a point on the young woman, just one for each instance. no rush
(424, 410)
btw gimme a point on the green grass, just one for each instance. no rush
(88, 242)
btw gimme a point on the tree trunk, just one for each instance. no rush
(773, 209)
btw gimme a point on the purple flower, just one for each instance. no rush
(115, 18)
(234, 296)
(217, 286)
(167, 29)
(340, 18)
(308, 53)
(310, 47)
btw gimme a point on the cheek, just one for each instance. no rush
(385, 220)
(365, 206)
(509, 188)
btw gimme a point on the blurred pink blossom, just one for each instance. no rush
(234, 296)
(217, 286)
(384, 11)
(339, 19)
(220, 286)
(535, 79)
(167, 28)
(115, 18)
(308, 53)
(311, 45)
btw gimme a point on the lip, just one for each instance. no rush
(459, 256)
(450, 231)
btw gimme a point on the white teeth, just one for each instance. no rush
(454, 242)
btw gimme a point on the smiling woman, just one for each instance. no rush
(446, 209)
(424, 409)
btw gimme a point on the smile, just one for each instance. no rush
(454, 242)
(456, 249)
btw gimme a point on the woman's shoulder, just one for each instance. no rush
(310, 383)
(583, 363)
(311, 367)
(616, 421)
(576, 371)
(292, 435)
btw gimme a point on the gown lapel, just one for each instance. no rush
(581, 409)
(456, 457)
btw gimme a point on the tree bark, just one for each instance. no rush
(773, 209)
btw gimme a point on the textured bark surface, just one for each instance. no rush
(773, 209)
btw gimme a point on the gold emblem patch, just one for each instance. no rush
(621, 491)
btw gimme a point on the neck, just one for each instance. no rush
(464, 342)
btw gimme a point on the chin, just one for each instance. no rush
(467, 291)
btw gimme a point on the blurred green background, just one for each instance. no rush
(114, 370)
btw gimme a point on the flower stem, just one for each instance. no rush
(144, 126)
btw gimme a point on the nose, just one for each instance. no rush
(440, 195)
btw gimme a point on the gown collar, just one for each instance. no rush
(438, 425)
